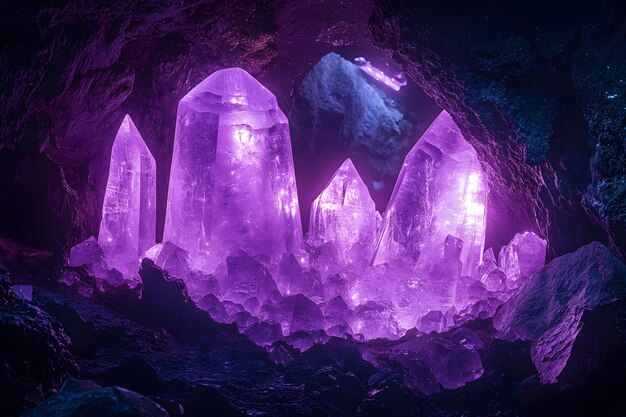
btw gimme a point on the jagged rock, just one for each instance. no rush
(35, 356)
(79, 398)
(165, 303)
(82, 333)
(207, 400)
(549, 309)
(135, 374)
(264, 332)
(337, 390)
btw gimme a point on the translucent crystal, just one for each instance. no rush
(433, 321)
(524, 256)
(441, 191)
(128, 221)
(345, 214)
(375, 320)
(247, 278)
(232, 183)
(170, 258)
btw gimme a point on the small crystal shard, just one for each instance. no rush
(524, 256)
(441, 191)
(345, 214)
(128, 221)
(232, 183)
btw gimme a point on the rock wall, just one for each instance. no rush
(537, 88)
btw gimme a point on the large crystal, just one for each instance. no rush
(232, 183)
(128, 221)
(441, 191)
(344, 213)
(524, 256)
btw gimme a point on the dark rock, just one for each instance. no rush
(165, 303)
(79, 398)
(35, 356)
(537, 100)
(264, 332)
(135, 374)
(7, 295)
(206, 400)
(339, 391)
(82, 334)
(549, 309)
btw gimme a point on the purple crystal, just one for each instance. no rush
(524, 256)
(171, 258)
(88, 253)
(232, 183)
(375, 320)
(441, 191)
(128, 221)
(433, 321)
(247, 278)
(345, 214)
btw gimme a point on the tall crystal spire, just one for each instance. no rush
(345, 214)
(441, 191)
(232, 182)
(128, 221)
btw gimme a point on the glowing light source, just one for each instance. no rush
(395, 83)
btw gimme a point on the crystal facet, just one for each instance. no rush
(345, 214)
(441, 191)
(524, 256)
(232, 182)
(128, 221)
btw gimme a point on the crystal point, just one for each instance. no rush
(128, 221)
(524, 256)
(232, 182)
(441, 191)
(345, 214)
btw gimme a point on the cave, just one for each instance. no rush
(288, 208)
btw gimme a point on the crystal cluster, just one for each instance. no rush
(232, 183)
(233, 232)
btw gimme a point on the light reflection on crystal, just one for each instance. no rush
(128, 221)
(345, 214)
(232, 183)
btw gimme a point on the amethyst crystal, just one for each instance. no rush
(232, 183)
(128, 221)
(441, 191)
(345, 214)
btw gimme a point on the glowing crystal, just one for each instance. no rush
(128, 221)
(232, 183)
(395, 83)
(524, 256)
(345, 214)
(441, 191)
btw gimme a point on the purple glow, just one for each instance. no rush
(395, 83)
(523, 257)
(441, 191)
(232, 183)
(233, 232)
(345, 214)
(128, 221)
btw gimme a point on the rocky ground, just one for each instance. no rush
(113, 353)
